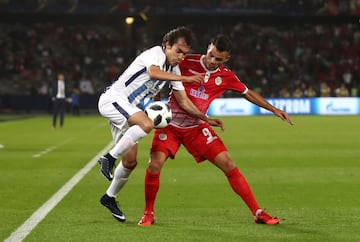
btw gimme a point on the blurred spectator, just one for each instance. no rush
(297, 93)
(43, 90)
(342, 91)
(329, 7)
(75, 101)
(86, 86)
(304, 89)
(347, 79)
(355, 6)
(311, 92)
(325, 90)
(284, 92)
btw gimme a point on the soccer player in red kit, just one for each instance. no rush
(197, 136)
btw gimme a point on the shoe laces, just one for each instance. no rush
(113, 201)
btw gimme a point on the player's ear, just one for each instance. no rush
(167, 45)
(227, 58)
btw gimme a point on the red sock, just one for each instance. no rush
(241, 187)
(152, 184)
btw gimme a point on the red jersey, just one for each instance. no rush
(216, 82)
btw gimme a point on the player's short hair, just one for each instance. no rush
(222, 43)
(180, 32)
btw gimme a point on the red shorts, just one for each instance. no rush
(202, 142)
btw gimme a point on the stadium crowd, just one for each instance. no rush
(282, 59)
(287, 7)
(292, 58)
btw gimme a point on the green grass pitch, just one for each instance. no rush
(306, 174)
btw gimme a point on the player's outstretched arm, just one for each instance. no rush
(156, 73)
(257, 99)
(186, 104)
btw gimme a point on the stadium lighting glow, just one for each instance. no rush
(129, 20)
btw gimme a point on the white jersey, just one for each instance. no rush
(127, 95)
(135, 83)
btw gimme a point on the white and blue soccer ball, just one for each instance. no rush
(160, 113)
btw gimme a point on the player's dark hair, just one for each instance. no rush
(222, 43)
(180, 32)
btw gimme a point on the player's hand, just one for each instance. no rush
(198, 78)
(284, 116)
(216, 122)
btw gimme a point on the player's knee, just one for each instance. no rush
(230, 164)
(224, 163)
(154, 167)
(147, 125)
(129, 164)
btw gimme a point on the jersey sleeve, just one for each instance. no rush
(236, 84)
(177, 85)
(154, 56)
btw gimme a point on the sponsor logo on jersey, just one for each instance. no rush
(162, 136)
(200, 93)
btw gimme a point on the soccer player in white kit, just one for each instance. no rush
(123, 105)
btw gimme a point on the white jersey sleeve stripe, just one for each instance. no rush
(133, 77)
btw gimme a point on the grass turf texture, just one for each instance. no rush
(306, 174)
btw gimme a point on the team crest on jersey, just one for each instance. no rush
(162, 136)
(218, 80)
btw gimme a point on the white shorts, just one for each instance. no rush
(117, 110)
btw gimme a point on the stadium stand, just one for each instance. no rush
(319, 43)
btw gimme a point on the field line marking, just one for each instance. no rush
(51, 148)
(24, 230)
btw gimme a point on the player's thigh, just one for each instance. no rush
(203, 143)
(141, 119)
(117, 131)
(116, 108)
(166, 140)
(117, 111)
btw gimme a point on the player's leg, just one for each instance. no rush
(140, 126)
(236, 180)
(55, 113)
(165, 143)
(121, 117)
(123, 170)
(151, 186)
(121, 176)
(204, 144)
(241, 187)
(207, 145)
(62, 107)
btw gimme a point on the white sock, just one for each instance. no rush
(129, 139)
(121, 176)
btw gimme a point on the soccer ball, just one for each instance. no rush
(160, 113)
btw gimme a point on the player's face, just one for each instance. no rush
(215, 58)
(176, 52)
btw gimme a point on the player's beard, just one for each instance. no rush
(211, 66)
